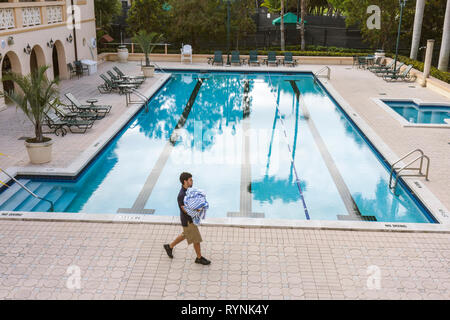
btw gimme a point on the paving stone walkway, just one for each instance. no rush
(38, 260)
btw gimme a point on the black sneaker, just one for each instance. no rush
(168, 250)
(202, 261)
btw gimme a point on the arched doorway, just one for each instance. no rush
(59, 61)
(55, 62)
(10, 63)
(37, 58)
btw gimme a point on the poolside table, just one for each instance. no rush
(370, 60)
(92, 102)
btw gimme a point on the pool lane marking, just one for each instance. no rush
(344, 192)
(297, 180)
(147, 188)
(245, 202)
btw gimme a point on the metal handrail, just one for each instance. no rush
(421, 157)
(138, 94)
(52, 206)
(316, 74)
(159, 67)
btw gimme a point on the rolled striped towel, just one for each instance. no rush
(195, 204)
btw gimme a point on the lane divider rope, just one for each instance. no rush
(297, 180)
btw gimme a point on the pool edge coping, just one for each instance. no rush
(431, 202)
(227, 222)
(94, 149)
(421, 191)
(405, 123)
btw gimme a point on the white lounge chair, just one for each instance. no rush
(186, 53)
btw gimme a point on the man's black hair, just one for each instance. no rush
(185, 176)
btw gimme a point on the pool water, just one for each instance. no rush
(420, 114)
(272, 146)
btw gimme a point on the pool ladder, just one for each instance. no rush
(141, 96)
(318, 73)
(52, 205)
(398, 171)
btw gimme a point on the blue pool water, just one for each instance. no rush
(420, 114)
(242, 149)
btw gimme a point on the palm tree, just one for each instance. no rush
(275, 6)
(302, 25)
(37, 95)
(282, 26)
(418, 18)
(147, 42)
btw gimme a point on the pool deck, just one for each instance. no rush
(126, 260)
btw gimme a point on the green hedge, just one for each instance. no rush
(438, 74)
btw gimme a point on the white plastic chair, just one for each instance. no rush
(186, 53)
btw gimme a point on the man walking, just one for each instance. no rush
(190, 230)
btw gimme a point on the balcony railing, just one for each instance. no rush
(54, 14)
(7, 19)
(17, 15)
(31, 17)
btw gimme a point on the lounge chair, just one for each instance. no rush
(236, 58)
(123, 76)
(218, 58)
(253, 58)
(109, 86)
(119, 80)
(54, 122)
(64, 113)
(381, 72)
(101, 110)
(289, 60)
(381, 66)
(404, 75)
(271, 58)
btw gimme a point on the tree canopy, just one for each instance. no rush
(105, 11)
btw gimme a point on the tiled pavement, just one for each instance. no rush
(127, 261)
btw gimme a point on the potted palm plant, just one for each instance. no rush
(147, 42)
(37, 95)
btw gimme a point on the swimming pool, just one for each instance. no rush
(420, 113)
(262, 145)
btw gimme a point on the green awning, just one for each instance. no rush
(289, 18)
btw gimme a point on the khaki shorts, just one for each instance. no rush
(192, 234)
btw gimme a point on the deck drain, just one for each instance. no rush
(382, 94)
(411, 86)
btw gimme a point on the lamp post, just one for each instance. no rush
(228, 31)
(402, 5)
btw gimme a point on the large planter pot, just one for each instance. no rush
(122, 55)
(39, 152)
(148, 71)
